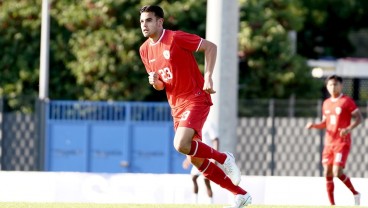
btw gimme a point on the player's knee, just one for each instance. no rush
(327, 173)
(337, 172)
(182, 147)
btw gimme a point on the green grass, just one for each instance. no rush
(90, 205)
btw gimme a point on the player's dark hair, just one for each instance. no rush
(333, 77)
(154, 9)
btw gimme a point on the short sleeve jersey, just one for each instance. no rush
(173, 59)
(338, 114)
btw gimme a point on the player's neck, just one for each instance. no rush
(157, 36)
(335, 97)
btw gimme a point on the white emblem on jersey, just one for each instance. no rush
(338, 110)
(185, 115)
(152, 60)
(166, 54)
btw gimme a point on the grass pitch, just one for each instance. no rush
(90, 205)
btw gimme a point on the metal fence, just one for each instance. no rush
(19, 138)
(282, 147)
(271, 139)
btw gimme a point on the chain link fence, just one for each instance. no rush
(272, 140)
(19, 136)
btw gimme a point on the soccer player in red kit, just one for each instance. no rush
(169, 61)
(337, 111)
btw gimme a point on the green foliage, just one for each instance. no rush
(269, 68)
(94, 45)
(104, 59)
(328, 24)
(20, 46)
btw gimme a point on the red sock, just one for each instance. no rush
(346, 180)
(217, 175)
(330, 189)
(202, 150)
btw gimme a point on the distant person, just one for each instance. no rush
(209, 137)
(338, 111)
(168, 57)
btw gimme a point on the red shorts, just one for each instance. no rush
(192, 116)
(335, 154)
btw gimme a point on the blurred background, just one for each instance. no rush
(102, 116)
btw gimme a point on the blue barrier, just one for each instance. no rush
(112, 137)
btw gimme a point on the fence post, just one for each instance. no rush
(41, 126)
(271, 110)
(292, 106)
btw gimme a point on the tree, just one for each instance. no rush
(93, 47)
(328, 25)
(20, 45)
(103, 52)
(269, 67)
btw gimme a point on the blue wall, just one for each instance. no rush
(112, 137)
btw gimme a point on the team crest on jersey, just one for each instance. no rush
(166, 54)
(338, 110)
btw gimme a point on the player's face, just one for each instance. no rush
(334, 87)
(150, 25)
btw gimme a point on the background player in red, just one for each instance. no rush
(169, 60)
(337, 111)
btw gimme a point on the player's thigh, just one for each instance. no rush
(327, 156)
(341, 153)
(327, 170)
(192, 116)
(183, 139)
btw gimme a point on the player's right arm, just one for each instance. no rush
(318, 125)
(154, 80)
(210, 53)
(153, 77)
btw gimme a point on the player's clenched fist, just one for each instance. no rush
(152, 78)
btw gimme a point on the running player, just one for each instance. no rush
(169, 61)
(337, 111)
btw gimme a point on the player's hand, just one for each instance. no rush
(309, 125)
(344, 132)
(153, 78)
(186, 164)
(208, 85)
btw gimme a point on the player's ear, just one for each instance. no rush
(161, 20)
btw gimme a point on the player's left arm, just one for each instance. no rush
(357, 119)
(210, 53)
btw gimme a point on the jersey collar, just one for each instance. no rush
(335, 99)
(162, 35)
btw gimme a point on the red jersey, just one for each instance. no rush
(338, 113)
(173, 59)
